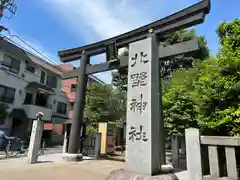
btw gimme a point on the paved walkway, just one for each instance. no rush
(52, 167)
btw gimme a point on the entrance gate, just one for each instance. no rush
(145, 153)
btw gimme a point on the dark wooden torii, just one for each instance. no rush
(188, 17)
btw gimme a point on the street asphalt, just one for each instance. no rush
(51, 166)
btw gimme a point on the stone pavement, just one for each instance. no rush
(52, 167)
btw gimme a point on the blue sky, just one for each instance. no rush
(53, 25)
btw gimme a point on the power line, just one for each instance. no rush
(38, 52)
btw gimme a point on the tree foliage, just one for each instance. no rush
(103, 103)
(178, 103)
(207, 95)
(169, 65)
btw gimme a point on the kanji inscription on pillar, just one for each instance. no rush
(142, 154)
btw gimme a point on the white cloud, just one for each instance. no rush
(104, 18)
(107, 18)
(94, 20)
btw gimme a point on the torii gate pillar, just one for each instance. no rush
(78, 113)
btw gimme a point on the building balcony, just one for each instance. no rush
(31, 111)
(59, 118)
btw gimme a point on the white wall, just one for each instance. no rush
(20, 81)
(15, 81)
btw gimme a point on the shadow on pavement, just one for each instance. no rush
(112, 157)
(39, 162)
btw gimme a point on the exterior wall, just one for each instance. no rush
(11, 80)
(67, 88)
(19, 83)
(32, 110)
(22, 79)
(66, 85)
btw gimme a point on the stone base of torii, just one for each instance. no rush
(122, 174)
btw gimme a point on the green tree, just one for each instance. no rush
(207, 95)
(217, 92)
(169, 65)
(103, 103)
(179, 98)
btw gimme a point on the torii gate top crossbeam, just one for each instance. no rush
(183, 19)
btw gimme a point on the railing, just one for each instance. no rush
(10, 68)
(31, 111)
(197, 158)
(36, 104)
(6, 99)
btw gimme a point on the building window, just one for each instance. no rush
(62, 108)
(73, 88)
(28, 98)
(43, 74)
(52, 81)
(7, 94)
(30, 68)
(41, 99)
(11, 63)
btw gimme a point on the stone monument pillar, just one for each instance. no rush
(35, 139)
(143, 111)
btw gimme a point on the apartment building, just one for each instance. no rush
(69, 86)
(29, 84)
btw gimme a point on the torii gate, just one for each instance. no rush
(145, 138)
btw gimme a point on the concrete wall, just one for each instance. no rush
(21, 80)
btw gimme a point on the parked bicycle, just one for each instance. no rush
(15, 147)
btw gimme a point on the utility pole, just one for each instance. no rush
(7, 8)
